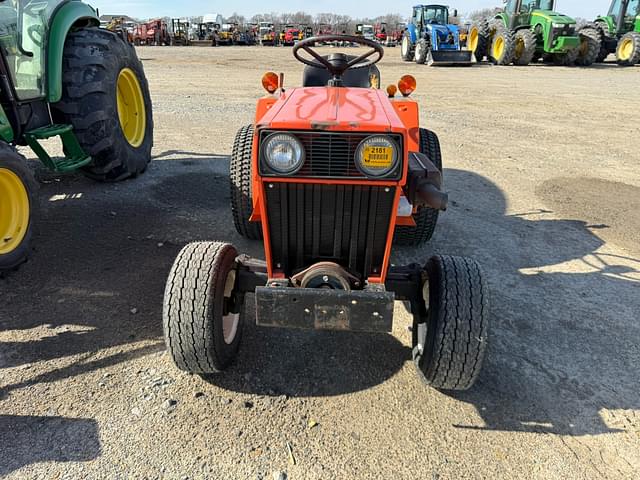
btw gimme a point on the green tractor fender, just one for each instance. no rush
(608, 23)
(68, 16)
(636, 25)
(504, 18)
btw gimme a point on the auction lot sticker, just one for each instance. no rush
(375, 157)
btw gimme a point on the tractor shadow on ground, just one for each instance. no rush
(105, 251)
(29, 440)
(565, 339)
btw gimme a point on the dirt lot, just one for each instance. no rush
(542, 168)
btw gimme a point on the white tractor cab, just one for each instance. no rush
(366, 31)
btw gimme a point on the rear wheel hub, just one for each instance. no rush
(14, 211)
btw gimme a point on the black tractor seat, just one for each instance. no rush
(360, 78)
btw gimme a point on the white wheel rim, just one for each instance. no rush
(418, 50)
(405, 45)
(230, 327)
(230, 321)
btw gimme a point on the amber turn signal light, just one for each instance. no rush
(407, 85)
(392, 90)
(270, 82)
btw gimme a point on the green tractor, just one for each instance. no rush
(529, 30)
(63, 76)
(620, 32)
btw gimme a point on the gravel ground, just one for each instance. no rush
(542, 168)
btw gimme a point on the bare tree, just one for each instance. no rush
(483, 13)
(237, 18)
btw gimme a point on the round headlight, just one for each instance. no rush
(377, 156)
(283, 153)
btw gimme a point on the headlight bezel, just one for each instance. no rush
(265, 154)
(390, 171)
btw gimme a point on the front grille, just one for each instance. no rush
(331, 155)
(345, 224)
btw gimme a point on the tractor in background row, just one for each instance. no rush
(529, 30)
(620, 32)
(180, 33)
(154, 32)
(430, 38)
(63, 76)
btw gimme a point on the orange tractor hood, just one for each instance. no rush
(332, 108)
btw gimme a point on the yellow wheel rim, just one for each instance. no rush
(473, 39)
(625, 51)
(131, 109)
(498, 48)
(14, 211)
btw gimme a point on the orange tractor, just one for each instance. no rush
(331, 176)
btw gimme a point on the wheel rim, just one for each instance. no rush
(584, 47)
(418, 51)
(421, 334)
(498, 48)
(626, 49)
(230, 321)
(405, 45)
(519, 47)
(131, 109)
(473, 39)
(14, 211)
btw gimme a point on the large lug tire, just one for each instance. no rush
(478, 39)
(202, 318)
(241, 185)
(451, 327)
(589, 49)
(421, 51)
(407, 48)
(426, 218)
(105, 96)
(503, 46)
(628, 50)
(18, 208)
(525, 48)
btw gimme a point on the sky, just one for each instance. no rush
(588, 9)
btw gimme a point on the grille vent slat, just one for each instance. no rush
(346, 224)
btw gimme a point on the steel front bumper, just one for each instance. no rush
(367, 310)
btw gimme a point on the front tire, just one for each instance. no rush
(18, 208)
(450, 331)
(590, 45)
(421, 51)
(426, 218)
(106, 99)
(241, 185)
(525, 47)
(201, 315)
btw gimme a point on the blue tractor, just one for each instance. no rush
(431, 39)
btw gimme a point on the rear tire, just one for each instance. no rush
(18, 208)
(407, 48)
(200, 329)
(95, 63)
(426, 218)
(450, 330)
(525, 47)
(628, 50)
(241, 185)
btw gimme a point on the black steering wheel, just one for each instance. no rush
(338, 63)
